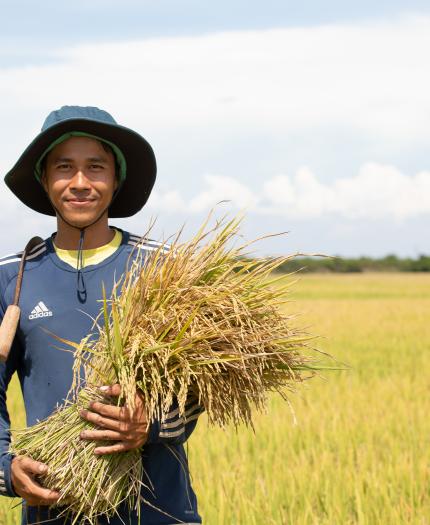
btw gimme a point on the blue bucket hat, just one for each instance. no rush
(135, 159)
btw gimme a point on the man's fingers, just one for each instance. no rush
(113, 449)
(101, 435)
(24, 473)
(32, 466)
(111, 390)
(41, 496)
(111, 411)
(100, 421)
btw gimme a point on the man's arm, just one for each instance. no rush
(18, 474)
(6, 371)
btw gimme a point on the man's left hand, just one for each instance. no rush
(129, 427)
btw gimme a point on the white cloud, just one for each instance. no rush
(371, 76)
(367, 78)
(299, 196)
(220, 189)
(167, 200)
(376, 192)
(383, 191)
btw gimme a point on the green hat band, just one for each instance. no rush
(120, 159)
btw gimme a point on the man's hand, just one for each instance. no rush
(24, 471)
(129, 427)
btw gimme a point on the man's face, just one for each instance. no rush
(80, 180)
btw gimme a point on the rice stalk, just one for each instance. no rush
(194, 320)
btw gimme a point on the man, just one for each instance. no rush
(83, 168)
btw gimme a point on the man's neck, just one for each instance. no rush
(67, 237)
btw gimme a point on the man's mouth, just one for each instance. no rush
(80, 202)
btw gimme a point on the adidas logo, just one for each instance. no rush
(40, 310)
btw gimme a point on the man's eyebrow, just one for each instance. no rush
(97, 159)
(61, 159)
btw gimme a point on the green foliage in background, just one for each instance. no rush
(390, 263)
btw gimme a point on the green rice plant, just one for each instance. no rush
(194, 320)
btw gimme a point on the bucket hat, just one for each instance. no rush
(138, 165)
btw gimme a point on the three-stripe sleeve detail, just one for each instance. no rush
(16, 257)
(147, 244)
(174, 425)
(3, 489)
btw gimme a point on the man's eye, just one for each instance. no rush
(96, 167)
(63, 166)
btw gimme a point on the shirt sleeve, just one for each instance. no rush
(176, 429)
(6, 371)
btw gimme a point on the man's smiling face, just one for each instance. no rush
(79, 178)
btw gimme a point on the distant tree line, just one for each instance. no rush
(389, 263)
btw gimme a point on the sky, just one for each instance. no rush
(312, 117)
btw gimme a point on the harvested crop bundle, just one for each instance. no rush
(197, 320)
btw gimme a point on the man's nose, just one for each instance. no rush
(79, 180)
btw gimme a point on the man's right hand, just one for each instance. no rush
(24, 471)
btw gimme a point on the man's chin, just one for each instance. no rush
(80, 220)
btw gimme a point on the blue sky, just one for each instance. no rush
(310, 115)
(34, 30)
(73, 22)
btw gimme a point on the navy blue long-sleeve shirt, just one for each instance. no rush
(49, 302)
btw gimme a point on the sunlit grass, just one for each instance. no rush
(359, 453)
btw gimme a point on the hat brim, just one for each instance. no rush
(134, 191)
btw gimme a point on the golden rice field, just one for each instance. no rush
(360, 450)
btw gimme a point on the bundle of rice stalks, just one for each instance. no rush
(197, 319)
